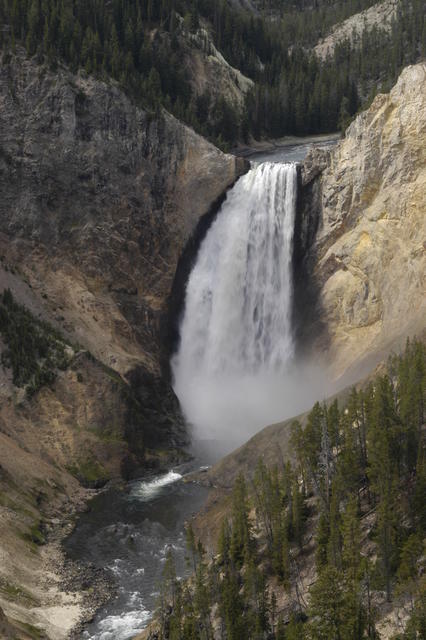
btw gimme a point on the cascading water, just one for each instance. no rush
(236, 334)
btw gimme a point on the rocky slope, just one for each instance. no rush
(368, 203)
(99, 199)
(378, 16)
(210, 72)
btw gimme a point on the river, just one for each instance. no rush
(128, 533)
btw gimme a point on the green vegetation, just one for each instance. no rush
(89, 471)
(353, 501)
(36, 534)
(18, 594)
(142, 44)
(34, 350)
(31, 630)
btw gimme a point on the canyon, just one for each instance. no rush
(103, 209)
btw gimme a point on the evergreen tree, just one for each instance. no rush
(241, 539)
(387, 532)
(297, 513)
(232, 606)
(327, 610)
(334, 540)
(322, 537)
(351, 540)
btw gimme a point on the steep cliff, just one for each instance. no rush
(99, 198)
(210, 72)
(367, 201)
(360, 252)
(360, 291)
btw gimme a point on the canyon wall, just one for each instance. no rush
(99, 199)
(360, 280)
(366, 200)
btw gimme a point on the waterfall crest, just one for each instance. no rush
(236, 329)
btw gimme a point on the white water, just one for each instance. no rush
(147, 490)
(231, 372)
(134, 549)
(125, 625)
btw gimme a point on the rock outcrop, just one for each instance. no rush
(368, 204)
(211, 73)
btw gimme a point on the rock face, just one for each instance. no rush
(98, 201)
(368, 204)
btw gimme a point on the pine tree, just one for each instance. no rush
(280, 633)
(387, 532)
(335, 541)
(351, 540)
(232, 606)
(241, 539)
(297, 513)
(321, 539)
(327, 616)
(409, 566)
(169, 592)
(34, 27)
(224, 543)
(295, 629)
(202, 603)
(191, 546)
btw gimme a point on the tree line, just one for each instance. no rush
(141, 45)
(356, 491)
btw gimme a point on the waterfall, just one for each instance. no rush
(236, 334)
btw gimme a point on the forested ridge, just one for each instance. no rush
(142, 44)
(352, 504)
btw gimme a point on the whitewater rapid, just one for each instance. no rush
(236, 334)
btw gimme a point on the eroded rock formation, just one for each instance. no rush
(368, 204)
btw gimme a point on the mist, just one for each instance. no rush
(225, 411)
